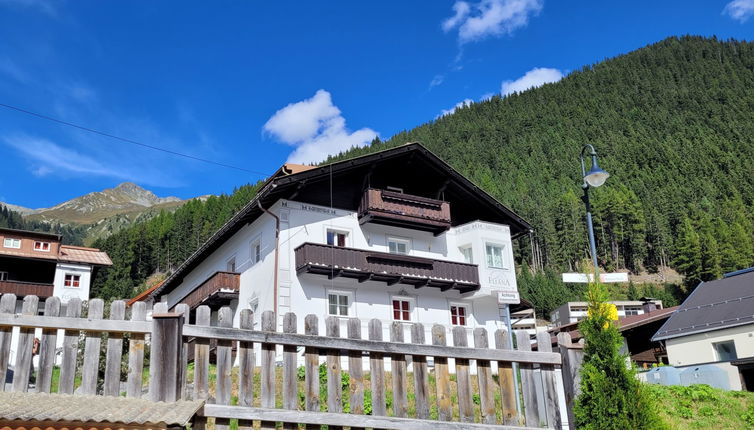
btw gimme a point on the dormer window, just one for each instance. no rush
(41, 246)
(10, 242)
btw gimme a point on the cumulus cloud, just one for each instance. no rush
(533, 78)
(490, 18)
(316, 128)
(458, 105)
(740, 10)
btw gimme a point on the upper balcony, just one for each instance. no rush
(366, 265)
(217, 291)
(404, 210)
(21, 288)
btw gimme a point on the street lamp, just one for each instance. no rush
(593, 178)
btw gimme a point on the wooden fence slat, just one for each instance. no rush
(70, 350)
(399, 373)
(90, 369)
(486, 383)
(290, 377)
(377, 370)
(136, 344)
(421, 375)
(201, 356)
(224, 366)
(47, 348)
(269, 321)
(442, 376)
(183, 309)
(114, 351)
(572, 359)
(356, 372)
(463, 378)
(528, 382)
(22, 371)
(334, 384)
(311, 370)
(549, 383)
(7, 306)
(246, 362)
(506, 377)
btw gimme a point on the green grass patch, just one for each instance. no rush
(704, 407)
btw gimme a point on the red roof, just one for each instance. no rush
(144, 294)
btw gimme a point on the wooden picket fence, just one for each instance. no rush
(491, 405)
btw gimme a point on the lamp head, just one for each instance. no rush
(595, 176)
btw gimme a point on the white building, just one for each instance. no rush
(572, 312)
(396, 235)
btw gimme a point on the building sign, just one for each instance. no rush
(309, 208)
(583, 278)
(476, 225)
(508, 297)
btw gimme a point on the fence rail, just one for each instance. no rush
(284, 376)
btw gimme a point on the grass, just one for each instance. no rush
(704, 407)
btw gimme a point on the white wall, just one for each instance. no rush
(697, 348)
(67, 293)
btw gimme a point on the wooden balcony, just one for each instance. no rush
(217, 291)
(21, 289)
(404, 210)
(333, 262)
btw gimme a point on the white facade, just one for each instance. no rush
(72, 280)
(572, 312)
(705, 347)
(308, 293)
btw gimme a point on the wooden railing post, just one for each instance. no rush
(164, 371)
(571, 370)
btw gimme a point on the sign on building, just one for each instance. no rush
(584, 278)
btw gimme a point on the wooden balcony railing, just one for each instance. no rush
(365, 265)
(217, 291)
(21, 288)
(404, 210)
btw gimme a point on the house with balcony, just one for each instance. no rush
(396, 235)
(34, 263)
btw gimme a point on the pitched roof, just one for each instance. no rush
(144, 294)
(80, 254)
(17, 406)
(713, 305)
(412, 163)
(624, 323)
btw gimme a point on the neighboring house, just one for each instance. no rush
(33, 263)
(572, 312)
(715, 324)
(396, 235)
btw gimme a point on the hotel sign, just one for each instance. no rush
(583, 278)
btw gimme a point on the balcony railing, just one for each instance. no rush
(365, 265)
(21, 288)
(404, 210)
(217, 291)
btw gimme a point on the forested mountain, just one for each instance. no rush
(72, 234)
(672, 122)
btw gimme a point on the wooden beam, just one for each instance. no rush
(335, 273)
(397, 280)
(448, 286)
(366, 278)
(422, 284)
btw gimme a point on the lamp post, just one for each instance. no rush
(593, 178)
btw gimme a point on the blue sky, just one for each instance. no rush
(254, 84)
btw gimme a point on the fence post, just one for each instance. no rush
(571, 369)
(164, 371)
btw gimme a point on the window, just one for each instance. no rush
(725, 351)
(495, 256)
(336, 238)
(42, 246)
(402, 308)
(632, 310)
(339, 303)
(458, 314)
(231, 265)
(468, 256)
(398, 246)
(256, 252)
(72, 281)
(9, 242)
(3, 276)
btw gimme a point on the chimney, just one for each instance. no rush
(649, 307)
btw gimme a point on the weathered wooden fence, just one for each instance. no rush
(419, 391)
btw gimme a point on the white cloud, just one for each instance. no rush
(437, 80)
(490, 18)
(458, 105)
(740, 10)
(533, 78)
(316, 128)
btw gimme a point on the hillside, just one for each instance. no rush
(672, 123)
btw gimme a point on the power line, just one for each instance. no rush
(133, 142)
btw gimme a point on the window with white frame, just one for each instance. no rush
(336, 237)
(256, 251)
(72, 280)
(10, 242)
(41, 246)
(495, 255)
(468, 256)
(396, 245)
(725, 351)
(403, 308)
(3, 276)
(339, 303)
(459, 314)
(230, 266)
(632, 310)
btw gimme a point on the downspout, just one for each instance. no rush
(277, 244)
